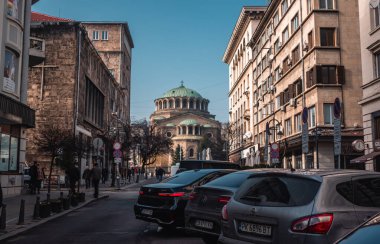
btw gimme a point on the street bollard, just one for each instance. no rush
(3, 218)
(36, 213)
(22, 213)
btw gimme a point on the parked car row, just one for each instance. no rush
(264, 205)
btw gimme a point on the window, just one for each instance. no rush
(11, 77)
(286, 64)
(296, 54)
(277, 75)
(376, 127)
(297, 123)
(327, 37)
(325, 4)
(308, 5)
(104, 35)
(328, 74)
(285, 35)
(15, 9)
(277, 46)
(9, 147)
(377, 64)
(310, 39)
(298, 87)
(168, 134)
(94, 104)
(276, 19)
(288, 127)
(95, 35)
(191, 153)
(328, 109)
(284, 7)
(278, 104)
(295, 24)
(375, 13)
(312, 117)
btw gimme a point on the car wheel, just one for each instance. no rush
(210, 239)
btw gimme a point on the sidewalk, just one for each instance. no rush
(13, 205)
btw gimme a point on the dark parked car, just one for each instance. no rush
(164, 203)
(206, 164)
(316, 206)
(366, 233)
(203, 211)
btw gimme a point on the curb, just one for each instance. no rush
(35, 224)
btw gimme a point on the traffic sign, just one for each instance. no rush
(117, 146)
(117, 154)
(117, 160)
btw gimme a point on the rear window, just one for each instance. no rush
(231, 180)
(185, 178)
(278, 191)
(363, 192)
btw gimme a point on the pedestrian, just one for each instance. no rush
(129, 174)
(40, 178)
(161, 173)
(33, 177)
(96, 175)
(156, 173)
(74, 176)
(87, 177)
(113, 174)
(104, 175)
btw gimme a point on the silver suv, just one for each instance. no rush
(316, 206)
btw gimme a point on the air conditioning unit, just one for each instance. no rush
(292, 102)
(270, 58)
(272, 88)
(282, 108)
(289, 62)
(306, 46)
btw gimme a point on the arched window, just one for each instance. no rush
(170, 104)
(165, 104)
(191, 104)
(177, 104)
(160, 104)
(184, 103)
(190, 132)
(191, 153)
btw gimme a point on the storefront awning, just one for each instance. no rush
(365, 158)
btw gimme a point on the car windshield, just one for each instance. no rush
(275, 191)
(233, 180)
(185, 178)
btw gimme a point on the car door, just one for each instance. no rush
(366, 196)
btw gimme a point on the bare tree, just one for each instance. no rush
(51, 141)
(150, 141)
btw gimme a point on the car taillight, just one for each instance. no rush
(174, 194)
(315, 224)
(224, 199)
(193, 196)
(224, 213)
(141, 193)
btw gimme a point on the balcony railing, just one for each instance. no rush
(36, 51)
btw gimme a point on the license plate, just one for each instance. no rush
(147, 211)
(255, 228)
(204, 224)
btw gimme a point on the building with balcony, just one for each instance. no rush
(15, 114)
(369, 18)
(182, 114)
(74, 88)
(305, 54)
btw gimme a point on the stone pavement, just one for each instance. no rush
(13, 205)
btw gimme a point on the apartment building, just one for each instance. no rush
(15, 115)
(238, 56)
(305, 55)
(369, 16)
(114, 43)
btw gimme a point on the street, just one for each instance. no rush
(106, 221)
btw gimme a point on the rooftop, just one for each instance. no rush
(39, 17)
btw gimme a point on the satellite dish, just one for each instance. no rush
(271, 57)
(374, 3)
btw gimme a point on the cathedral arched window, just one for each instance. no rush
(191, 153)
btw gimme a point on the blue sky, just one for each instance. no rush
(174, 40)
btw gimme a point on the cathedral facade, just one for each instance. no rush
(182, 114)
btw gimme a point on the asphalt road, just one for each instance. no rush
(106, 221)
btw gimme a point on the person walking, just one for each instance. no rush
(160, 173)
(40, 178)
(129, 175)
(96, 175)
(87, 177)
(74, 176)
(33, 177)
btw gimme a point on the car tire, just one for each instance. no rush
(210, 239)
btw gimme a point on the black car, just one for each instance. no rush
(164, 203)
(203, 211)
(185, 165)
(366, 233)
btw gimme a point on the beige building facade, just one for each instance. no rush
(15, 115)
(369, 15)
(305, 55)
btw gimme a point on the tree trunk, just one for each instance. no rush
(50, 171)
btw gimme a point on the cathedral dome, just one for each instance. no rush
(181, 91)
